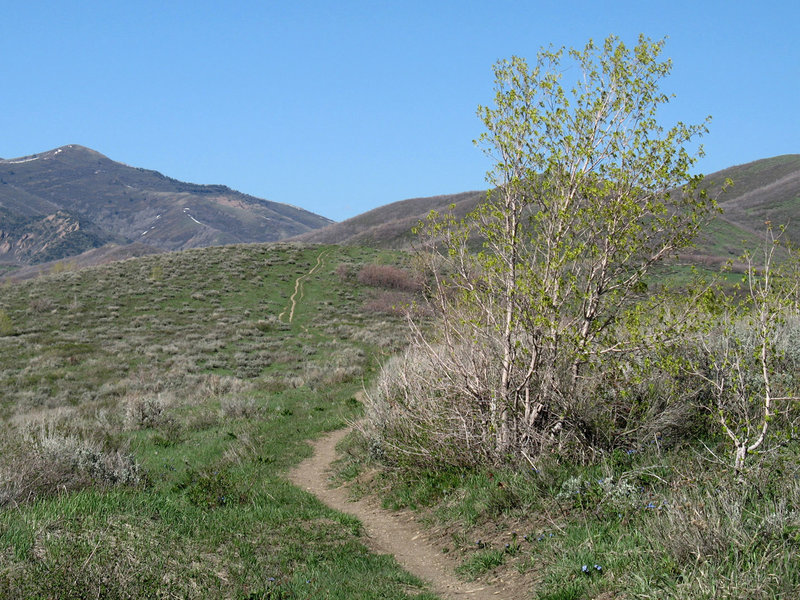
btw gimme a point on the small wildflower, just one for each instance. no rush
(585, 568)
(598, 568)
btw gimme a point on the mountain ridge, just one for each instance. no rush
(124, 204)
(763, 190)
(48, 212)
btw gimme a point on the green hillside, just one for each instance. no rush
(151, 407)
(763, 190)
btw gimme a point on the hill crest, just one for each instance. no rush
(767, 189)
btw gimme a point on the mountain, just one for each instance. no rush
(72, 199)
(762, 190)
(40, 238)
(101, 255)
(390, 226)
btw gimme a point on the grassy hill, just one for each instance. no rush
(150, 408)
(763, 190)
(390, 226)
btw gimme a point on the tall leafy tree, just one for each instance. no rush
(590, 191)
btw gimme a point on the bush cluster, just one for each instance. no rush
(422, 413)
(387, 276)
(48, 463)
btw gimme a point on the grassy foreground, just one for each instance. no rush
(150, 409)
(648, 523)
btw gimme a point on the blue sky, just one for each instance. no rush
(339, 107)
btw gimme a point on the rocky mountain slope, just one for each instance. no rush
(68, 200)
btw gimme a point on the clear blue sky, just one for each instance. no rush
(342, 106)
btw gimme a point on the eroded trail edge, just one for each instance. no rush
(389, 532)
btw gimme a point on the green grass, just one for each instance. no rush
(179, 362)
(482, 561)
(151, 409)
(651, 523)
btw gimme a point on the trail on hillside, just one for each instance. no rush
(392, 532)
(298, 288)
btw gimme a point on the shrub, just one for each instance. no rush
(268, 323)
(389, 303)
(235, 407)
(213, 386)
(49, 463)
(387, 276)
(423, 410)
(416, 415)
(343, 271)
(41, 305)
(145, 413)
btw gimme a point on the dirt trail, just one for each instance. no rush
(298, 288)
(393, 533)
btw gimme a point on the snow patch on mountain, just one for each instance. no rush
(19, 161)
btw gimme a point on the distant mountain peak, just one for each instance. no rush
(116, 202)
(70, 149)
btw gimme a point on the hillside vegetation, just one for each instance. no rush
(767, 189)
(763, 190)
(572, 414)
(548, 380)
(151, 407)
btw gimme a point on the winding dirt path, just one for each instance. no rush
(298, 288)
(393, 533)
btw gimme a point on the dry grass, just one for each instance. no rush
(47, 462)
